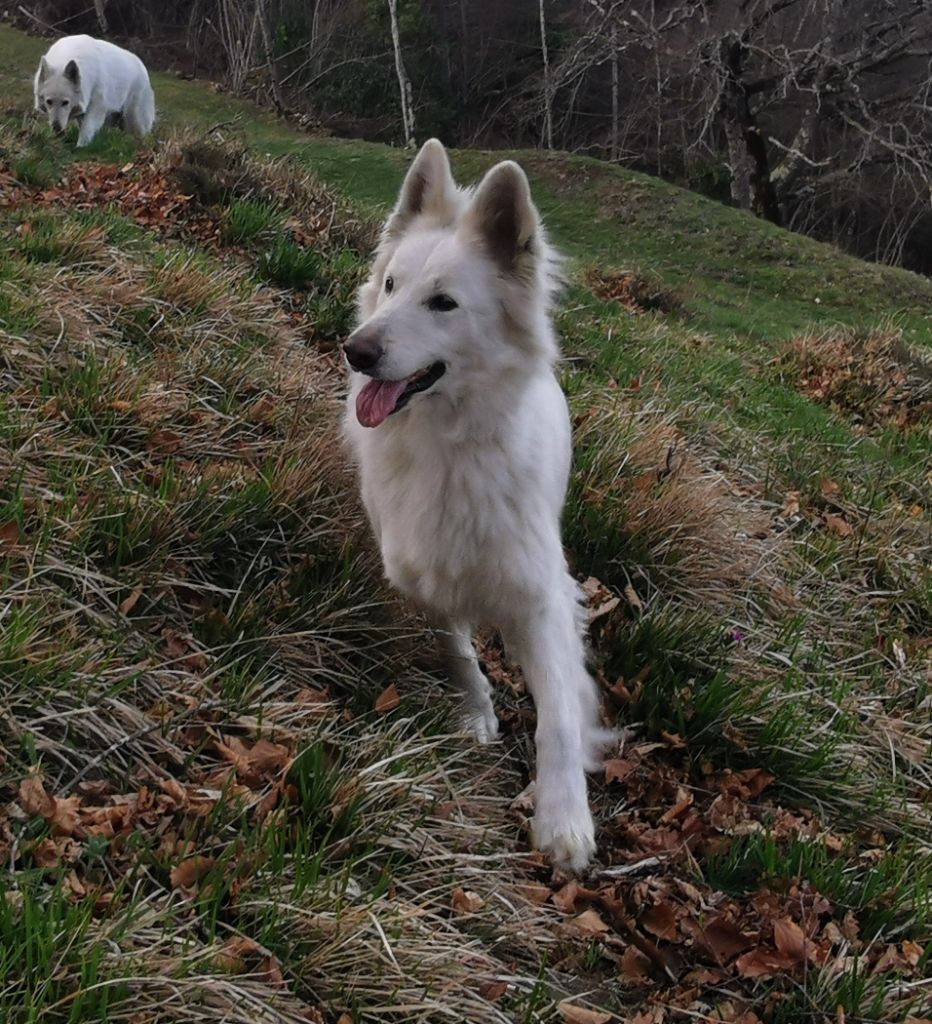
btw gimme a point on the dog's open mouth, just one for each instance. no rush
(380, 398)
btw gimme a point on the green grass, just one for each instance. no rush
(190, 571)
(248, 220)
(289, 265)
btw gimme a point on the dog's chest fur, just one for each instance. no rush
(463, 518)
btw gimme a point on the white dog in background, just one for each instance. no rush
(462, 437)
(91, 79)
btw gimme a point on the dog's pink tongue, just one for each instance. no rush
(374, 404)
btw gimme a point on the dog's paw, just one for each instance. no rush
(567, 837)
(482, 725)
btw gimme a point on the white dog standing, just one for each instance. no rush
(462, 437)
(90, 78)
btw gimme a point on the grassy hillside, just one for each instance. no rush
(229, 792)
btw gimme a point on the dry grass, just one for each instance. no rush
(194, 637)
(874, 379)
(709, 538)
(218, 170)
(632, 290)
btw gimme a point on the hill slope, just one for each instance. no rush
(227, 795)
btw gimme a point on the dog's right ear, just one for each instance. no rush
(43, 69)
(428, 189)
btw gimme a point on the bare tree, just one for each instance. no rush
(100, 9)
(548, 98)
(404, 83)
(263, 17)
(237, 26)
(814, 107)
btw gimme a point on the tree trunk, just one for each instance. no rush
(262, 13)
(751, 184)
(614, 150)
(404, 84)
(796, 160)
(548, 106)
(100, 10)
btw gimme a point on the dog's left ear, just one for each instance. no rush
(503, 217)
(73, 72)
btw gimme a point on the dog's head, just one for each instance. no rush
(59, 94)
(459, 289)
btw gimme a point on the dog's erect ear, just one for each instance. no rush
(503, 216)
(428, 189)
(73, 72)
(43, 69)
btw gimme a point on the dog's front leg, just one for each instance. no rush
(454, 641)
(91, 124)
(549, 648)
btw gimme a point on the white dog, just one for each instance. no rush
(462, 437)
(90, 79)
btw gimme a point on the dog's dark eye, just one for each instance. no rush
(441, 303)
(389, 284)
(48, 103)
(64, 103)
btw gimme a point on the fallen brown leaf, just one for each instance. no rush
(829, 489)
(837, 525)
(535, 892)
(599, 599)
(493, 990)
(573, 1014)
(660, 920)
(617, 769)
(789, 939)
(635, 966)
(465, 901)
(764, 963)
(791, 504)
(912, 952)
(565, 899)
(10, 534)
(720, 936)
(33, 798)
(586, 925)
(129, 603)
(190, 871)
(64, 817)
(387, 700)
(684, 800)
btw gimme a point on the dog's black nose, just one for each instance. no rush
(363, 352)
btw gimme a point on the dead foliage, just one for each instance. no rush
(633, 291)
(872, 379)
(215, 171)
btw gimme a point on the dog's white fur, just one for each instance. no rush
(464, 487)
(80, 76)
